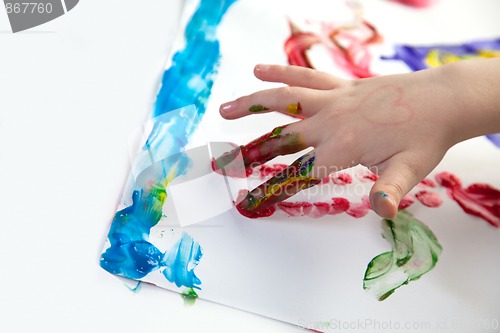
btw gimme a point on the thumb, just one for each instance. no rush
(397, 177)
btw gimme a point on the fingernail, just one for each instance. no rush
(226, 108)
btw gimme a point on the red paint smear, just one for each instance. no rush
(231, 172)
(295, 208)
(406, 202)
(427, 182)
(345, 45)
(297, 44)
(366, 176)
(339, 205)
(359, 210)
(429, 199)
(482, 200)
(322, 208)
(417, 3)
(341, 178)
(265, 212)
(268, 170)
(351, 51)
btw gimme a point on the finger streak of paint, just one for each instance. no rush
(188, 81)
(258, 151)
(285, 184)
(415, 251)
(429, 199)
(482, 200)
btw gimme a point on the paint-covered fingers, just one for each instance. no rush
(293, 101)
(285, 184)
(397, 176)
(297, 76)
(282, 140)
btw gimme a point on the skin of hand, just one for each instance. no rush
(399, 126)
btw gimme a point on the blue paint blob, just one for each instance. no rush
(187, 82)
(180, 263)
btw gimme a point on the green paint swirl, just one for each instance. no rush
(415, 251)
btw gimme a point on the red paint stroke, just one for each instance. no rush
(302, 208)
(406, 202)
(339, 178)
(297, 44)
(315, 209)
(359, 210)
(266, 171)
(257, 152)
(427, 182)
(264, 212)
(479, 199)
(366, 176)
(416, 3)
(429, 199)
(348, 45)
(351, 47)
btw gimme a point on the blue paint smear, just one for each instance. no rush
(188, 81)
(414, 56)
(178, 266)
(495, 139)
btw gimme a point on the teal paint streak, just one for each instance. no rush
(187, 82)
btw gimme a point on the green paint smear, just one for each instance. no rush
(415, 251)
(189, 296)
(257, 108)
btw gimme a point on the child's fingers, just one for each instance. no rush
(283, 140)
(297, 76)
(294, 101)
(282, 186)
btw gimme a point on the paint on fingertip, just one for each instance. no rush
(257, 108)
(294, 109)
(383, 194)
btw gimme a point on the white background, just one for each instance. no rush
(72, 92)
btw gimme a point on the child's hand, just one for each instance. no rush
(399, 126)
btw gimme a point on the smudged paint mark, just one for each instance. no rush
(189, 296)
(340, 178)
(285, 184)
(347, 44)
(406, 202)
(429, 199)
(359, 210)
(427, 182)
(181, 261)
(415, 251)
(294, 109)
(257, 108)
(188, 81)
(495, 139)
(422, 57)
(266, 171)
(417, 3)
(135, 289)
(297, 44)
(259, 151)
(481, 200)
(366, 176)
